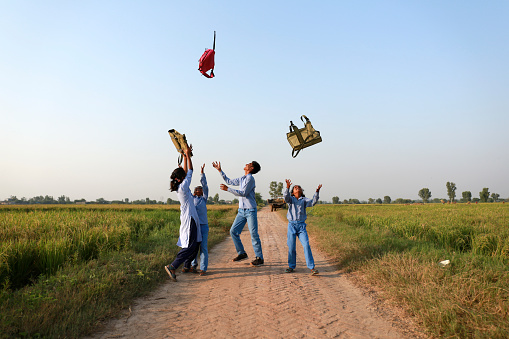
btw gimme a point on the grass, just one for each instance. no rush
(64, 269)
(398, 248)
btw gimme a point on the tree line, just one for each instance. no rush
(276, 192)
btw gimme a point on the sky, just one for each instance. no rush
(406, 95)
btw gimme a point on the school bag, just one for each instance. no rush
(300, 138)
(180, 142)
(206, 62)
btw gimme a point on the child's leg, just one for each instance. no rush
(252, 224)
(236, 229)
(292, 253)
(204, 251)
(304, 239)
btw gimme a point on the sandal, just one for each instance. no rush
(289, 270)
(202, 273)
(314, 271)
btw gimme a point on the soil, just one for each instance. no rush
(237, 300)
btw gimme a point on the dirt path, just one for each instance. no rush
(236, 300)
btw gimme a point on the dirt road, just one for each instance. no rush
(237, 300)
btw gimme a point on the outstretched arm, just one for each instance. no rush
(286, 194)
(234, 182)
(316, 196)
(203, 181)
(188, 163)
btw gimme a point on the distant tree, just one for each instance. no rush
(259, 199)
(371, 201)
(484, 194)
(379, 201)
(425, 194)
(467, 196)
(235, 201)
(451, 190)
(495, 196)
(126, 200)
(335, 200)
(387, 199)
(345, 201)
(210, 201)
(101, 201)
(216, 198)
(354, 201)
(276, 189)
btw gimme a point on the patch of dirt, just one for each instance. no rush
(237, 300)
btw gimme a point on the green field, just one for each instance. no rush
(63, 269)
(397, 250)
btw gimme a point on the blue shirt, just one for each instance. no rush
(297, 207)
(187, 211)
(201, 202)
(246, 190)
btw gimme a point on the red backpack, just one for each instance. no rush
(207, 60)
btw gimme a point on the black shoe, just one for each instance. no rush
(240, 257)
(257, 262)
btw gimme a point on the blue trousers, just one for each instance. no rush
(250, 216)
(298, 229)
(203, 253)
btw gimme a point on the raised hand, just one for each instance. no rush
(318, 189)
(288, 183)
(202, 168)
(217, 165)
(223, 187)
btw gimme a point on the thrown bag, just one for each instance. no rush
(303, 137)
(206, 62)
(180, 142)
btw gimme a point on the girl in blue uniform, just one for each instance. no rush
(297, 216)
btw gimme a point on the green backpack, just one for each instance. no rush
(180, 142)
(300, 138)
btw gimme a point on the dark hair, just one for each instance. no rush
(291, 192)
(178, 173)
(256, 167)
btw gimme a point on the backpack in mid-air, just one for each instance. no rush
(206, 62)
(180, 142)
(300, 138)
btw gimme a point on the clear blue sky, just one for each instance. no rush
(406, 95)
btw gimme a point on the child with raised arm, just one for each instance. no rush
(297, 216)
(200, 196)
(189, 233)
(247, 210)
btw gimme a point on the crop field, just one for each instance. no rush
(65, 268)
(397, 250)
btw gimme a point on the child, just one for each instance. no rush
(247, 210)
(296, 215)
(189, 234)
(201, 194)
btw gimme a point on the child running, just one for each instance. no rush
(190, 233)
(201, 194)
(297, 216)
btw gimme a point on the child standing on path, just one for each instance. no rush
(297, 216)
(201, 194)
(247, 210)
(189, 234)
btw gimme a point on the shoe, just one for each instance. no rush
(289, 270)
(185, 270)
(257, 262)
(240, 257)
(202, 273)
(171, 273)
(314, 271)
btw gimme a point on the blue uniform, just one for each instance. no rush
(297, 227)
